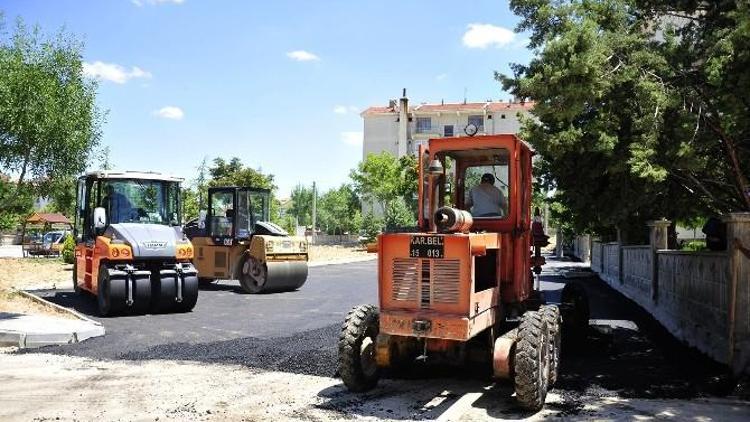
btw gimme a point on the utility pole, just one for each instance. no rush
(314, 211)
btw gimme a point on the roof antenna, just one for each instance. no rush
(404, 93)
(465, 95)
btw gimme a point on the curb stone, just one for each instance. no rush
(23, 339)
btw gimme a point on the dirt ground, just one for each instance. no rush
(31, 273)
(48, 387)
(323, 253)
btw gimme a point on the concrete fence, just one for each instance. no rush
(335, 239)
(702, 298)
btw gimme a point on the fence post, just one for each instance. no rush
(658, 240)
(738, 246)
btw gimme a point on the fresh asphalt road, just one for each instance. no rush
(224, 312)
(297, 332)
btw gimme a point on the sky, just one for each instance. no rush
(279, 84)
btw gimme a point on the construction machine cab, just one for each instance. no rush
(234, 213)
(451, 173)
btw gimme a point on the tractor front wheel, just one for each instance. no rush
(357, 366)
(551, 314)
(532, 361)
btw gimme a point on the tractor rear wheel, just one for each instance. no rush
(357, 366)
(532, 361)
(577, 313)
(551, 314)
(253, 275)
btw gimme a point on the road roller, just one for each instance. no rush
(131, 252)
(463, 286)
(234, 240)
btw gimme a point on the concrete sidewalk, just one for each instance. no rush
(29, 331)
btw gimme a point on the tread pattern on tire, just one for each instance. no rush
(551, 314)
(358, 322)
(530, 381)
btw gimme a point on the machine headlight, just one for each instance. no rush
(269, 246)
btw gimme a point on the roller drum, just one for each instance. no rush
(271, 276)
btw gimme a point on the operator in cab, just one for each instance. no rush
(485, 199)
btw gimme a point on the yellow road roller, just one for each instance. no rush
(234, 240)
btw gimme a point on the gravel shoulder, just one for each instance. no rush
(49, 387)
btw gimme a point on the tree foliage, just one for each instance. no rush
(383, 178)
(638, 114)
(49, 123)
(339, 211)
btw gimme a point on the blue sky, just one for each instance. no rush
(279, 84)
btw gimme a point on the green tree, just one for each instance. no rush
(383, 178)
(339, 211)
(49, 123)
(622, 122)
(301, 206)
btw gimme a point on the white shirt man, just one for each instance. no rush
(486, 200)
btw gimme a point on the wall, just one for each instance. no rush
(702, 298)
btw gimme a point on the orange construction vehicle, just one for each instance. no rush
(463, 281)
(130, 250)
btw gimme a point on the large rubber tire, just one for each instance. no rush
(577, 315)
(357, 365)
(163, 292)
(551, 315)
(253, 275)
(532, 361)
(110, 294)
(141, 296)
(189, 295)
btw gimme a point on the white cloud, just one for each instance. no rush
(441, 77)
(140, 3)
(170, 112)
(302, 56)
(342, 109)
(483, 35)
(352, 138)
(113, 72)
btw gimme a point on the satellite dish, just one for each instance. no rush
(471, 129)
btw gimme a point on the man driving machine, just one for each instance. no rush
(485, 199)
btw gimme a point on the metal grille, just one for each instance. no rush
(405, 279)
(426, 281)
(424, 297)
(445, 281)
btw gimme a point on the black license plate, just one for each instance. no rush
(426, 247)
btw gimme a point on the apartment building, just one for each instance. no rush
(400, 128)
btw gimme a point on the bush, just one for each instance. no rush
(68, 251)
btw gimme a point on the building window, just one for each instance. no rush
(424, 124)
(502, 116)
(448, 131)
(478, 121)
